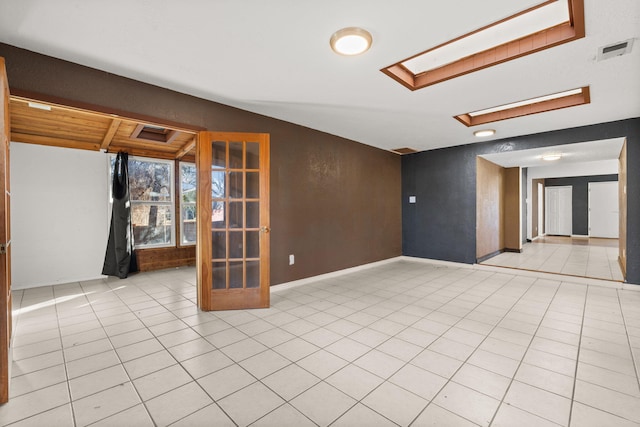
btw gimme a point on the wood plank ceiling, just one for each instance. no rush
(61, 126)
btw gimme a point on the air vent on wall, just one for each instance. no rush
(404, 150)
(615, 49)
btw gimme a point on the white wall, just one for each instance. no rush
(602, 167)
(59, 214)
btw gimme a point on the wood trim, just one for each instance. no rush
(160, 258)
(54, 142)
(186, 148)
(539, 107)
(545, 39)
(203, 222)
(108, 137)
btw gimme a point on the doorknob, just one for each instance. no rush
(265, 229)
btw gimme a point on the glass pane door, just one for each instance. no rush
(233, 233)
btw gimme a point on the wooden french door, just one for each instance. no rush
(5, 237)
(233, 220)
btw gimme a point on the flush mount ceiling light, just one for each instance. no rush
(484, 132)
(550, 157)
(351, 41)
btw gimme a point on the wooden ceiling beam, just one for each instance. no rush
(186, 148)
(53, 141)
(108, 137)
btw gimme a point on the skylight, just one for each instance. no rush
(543, 17)
(546, 25)
(555, 101)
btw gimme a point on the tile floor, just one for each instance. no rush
(404, 343)
(598, 262)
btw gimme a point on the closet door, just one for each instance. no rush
(559, 210)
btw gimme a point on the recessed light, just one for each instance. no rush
(351, 41)
(550, 157)
(484, 132)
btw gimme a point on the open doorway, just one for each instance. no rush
(559, 233)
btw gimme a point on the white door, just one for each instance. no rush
(540, 209)
(559, 206)
(603, 209)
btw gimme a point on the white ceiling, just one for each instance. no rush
(273, 57)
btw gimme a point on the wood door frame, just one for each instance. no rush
(5, 239)
(233, 298)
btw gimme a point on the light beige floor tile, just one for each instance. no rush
(539, 402)
(147, 364)
(207, 363)
(59, 417)
(361, 415)
(187, 350)
(551, 362)
(607, 361)
(436, 416)
(395, 403)
(161, 381)
(97, 381)
(104, 404)
(33, 403)
(587, 416)
(136, 416)
(290, 381)
(354, 381)
(379, 363)
(451, 348)
(437, 363)
(481, 380)
(494, 362)
(226, 381)
(225, 337)
(418, 381)
(296, 349)
(322, 363)
(369, 337)
(466, 403)
(509, 416)
(143, 348)
(210, 415)
(417, 337)
(177, 404)
(546, 380)
(265, 363)
(261, 402)
(611, 401)
(274, 337)
(347, 349)
(335, 403)
(285, 415)
(36, 349)
(37, 380)
(36, 363)
(321, 337)
(609, 379)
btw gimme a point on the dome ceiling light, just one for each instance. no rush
(351, 41)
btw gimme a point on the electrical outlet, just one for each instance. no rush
(292, 259)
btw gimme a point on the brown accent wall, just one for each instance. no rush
(534, 208)
(335, 203)
(489, 208)
(622, 188)
(512, 209)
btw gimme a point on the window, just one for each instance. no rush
(152, 201)
(187, 203)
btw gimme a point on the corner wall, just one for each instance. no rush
(441, 225)
(59, 215)
(334, 202)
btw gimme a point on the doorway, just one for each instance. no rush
(604, 210)
(558, 212)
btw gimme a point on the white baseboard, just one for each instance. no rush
(307, 280)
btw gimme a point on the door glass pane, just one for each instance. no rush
(253, 185)
(235, 215)
(253, 155)
(219, 276)
(235, 155)
(219, 244)
(253, 244)
(235, 185)
(235, 244)
(253, 214)
(235, 274)
(218, 154)
(217, 214)
(253, 274)
(217, 184)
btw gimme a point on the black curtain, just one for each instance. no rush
(120, 258)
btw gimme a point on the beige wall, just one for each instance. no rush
(489, 208)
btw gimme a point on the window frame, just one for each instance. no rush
(170, 203)
(180, 204)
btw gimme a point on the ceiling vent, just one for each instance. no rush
(404, 150)
(615, 49)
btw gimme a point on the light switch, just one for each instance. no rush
(412, 199)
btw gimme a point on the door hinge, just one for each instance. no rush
(3, 248)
